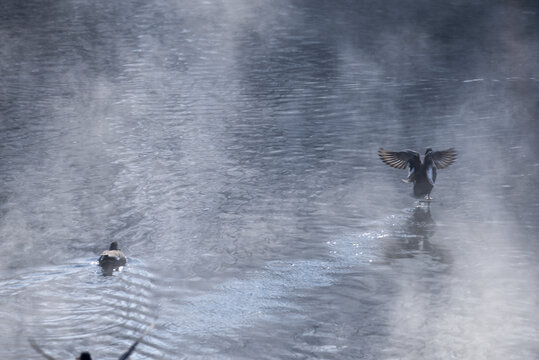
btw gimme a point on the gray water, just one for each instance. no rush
(230, 148)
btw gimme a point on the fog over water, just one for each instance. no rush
(230, 148)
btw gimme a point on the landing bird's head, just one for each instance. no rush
(429, 150)
(84, 356)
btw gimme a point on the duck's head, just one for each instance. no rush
(429, 150)
(113, 246)
(84, 356)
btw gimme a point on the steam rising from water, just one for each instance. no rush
(230, 149)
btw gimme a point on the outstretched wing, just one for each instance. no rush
(38, 349)
(443, 159)
(400, 159)
(132, 347)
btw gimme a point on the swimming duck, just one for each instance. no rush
(112, 259)
(422, 174)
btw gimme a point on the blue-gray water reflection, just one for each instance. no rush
(230, 149)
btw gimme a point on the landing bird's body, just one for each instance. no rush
(422, 174)
(86, 355)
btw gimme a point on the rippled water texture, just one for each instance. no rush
(229, 147)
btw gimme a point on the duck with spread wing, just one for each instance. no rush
(421, 174)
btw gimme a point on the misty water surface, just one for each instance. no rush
(230, 148)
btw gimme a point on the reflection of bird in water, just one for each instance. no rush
(413, 236)
(86, 355)
(112, 259)
(420, 223)
(422, 174)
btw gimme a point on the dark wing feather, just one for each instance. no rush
(400, 159)
(443, 159)
(38, 349)
(132, 347)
